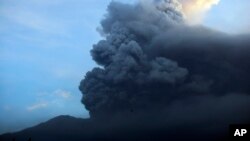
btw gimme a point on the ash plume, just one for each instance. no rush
(151, 62)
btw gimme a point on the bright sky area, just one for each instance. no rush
(44, 54)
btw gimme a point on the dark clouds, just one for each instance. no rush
(152, 63)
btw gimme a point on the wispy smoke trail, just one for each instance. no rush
(194, 10)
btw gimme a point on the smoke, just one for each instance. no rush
(151, 62)
(195, 10)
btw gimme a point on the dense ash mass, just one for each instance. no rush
(152, 63)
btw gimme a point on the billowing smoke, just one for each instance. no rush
(195, 10)
(152, 63)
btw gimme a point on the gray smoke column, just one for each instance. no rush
(151, 61)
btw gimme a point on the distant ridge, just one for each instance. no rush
(58, 128)
(68, 128)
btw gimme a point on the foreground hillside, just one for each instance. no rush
(66, 128)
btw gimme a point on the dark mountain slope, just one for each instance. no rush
(67, 128)
(59, 128)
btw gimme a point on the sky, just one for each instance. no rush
(44, 53)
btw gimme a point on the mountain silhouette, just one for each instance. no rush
(67, 128)
(60, 128)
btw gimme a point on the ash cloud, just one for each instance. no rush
(152, 63)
